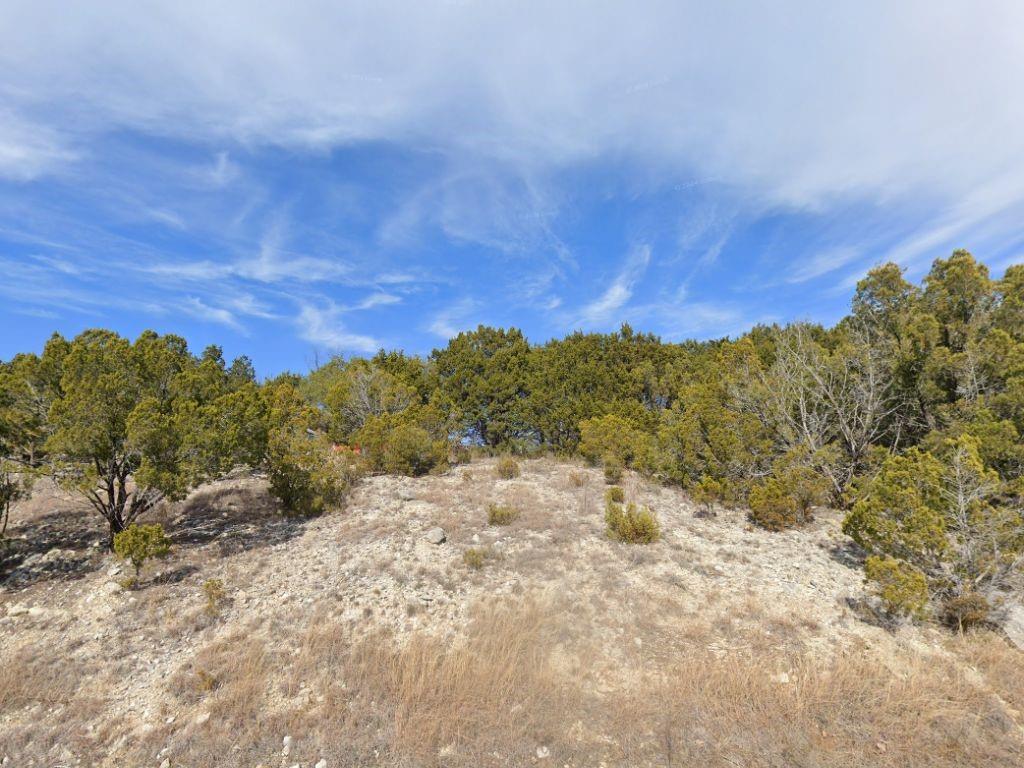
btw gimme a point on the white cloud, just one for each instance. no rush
(822, 263)
(620, 291)
(453, 319)
(200, 310)
(323, 325)
(798, 104)
(29, 150)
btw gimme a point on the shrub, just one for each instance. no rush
(706, 493)
(631, 524)
(577, 479)
(400, 444)
(305, 474)
(409, 450)
(613, 469)
(139, 543)
(507, 468)
(614, 495)
(902, 588)
(785, 498)
(772, 507)
(946, 517)
(612, 435)
(966, 611)
(475, 558)
(213, 589)
(501, 515)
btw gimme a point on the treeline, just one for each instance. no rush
(908, 413)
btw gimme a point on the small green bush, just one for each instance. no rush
(613, 469)
(498, 514)
(966, 611)
(612, 435)
(631, 524)
(786, 498)
(213, 589)
(139, 543)
(305, 474)
(507, 468)
(614, 495)
(475, 558)
(902, 588)
(706, 493)
(409, 450)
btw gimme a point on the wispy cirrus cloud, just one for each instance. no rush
(324, 326)
(610, 303)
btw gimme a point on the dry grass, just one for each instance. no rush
(517, 682)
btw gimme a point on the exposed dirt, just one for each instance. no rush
(123, 671)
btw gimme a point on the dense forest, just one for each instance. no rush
(907, 414)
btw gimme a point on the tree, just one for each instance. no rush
(481, 378)
(361, 391)
(134, 423)
(945, 516)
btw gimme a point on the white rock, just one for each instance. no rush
(543, 753)
(202, 717)
(436, 536)
(166, 763)
(18, 609)
(286, 745)
(1012, 624)
(111, 588)
(321, 764)
(782, 678)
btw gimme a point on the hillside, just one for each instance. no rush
(351, 639)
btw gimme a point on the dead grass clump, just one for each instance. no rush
(1001, 664)
(577, 479)
(770, 709)
(229, 677)
(501, 514)
(507, 468)
(494, 692)
(475, 558)
(29, 676)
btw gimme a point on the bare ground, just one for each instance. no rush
(721, 645)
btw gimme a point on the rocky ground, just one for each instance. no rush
(268, 640)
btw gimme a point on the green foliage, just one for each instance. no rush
(707, 492)
(613, 469)
(786, 498)
(481, 378)
(139, 543)
(408, 443)
(631, 524)
(902, 589)
(305, 473)
(475, 558)
(899, 512)
(612, 436)
(507, 468)
(945, 516)
(614, 495)
(213, 591)
(910, 411)
(498, 514)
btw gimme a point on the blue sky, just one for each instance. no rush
(315, 178)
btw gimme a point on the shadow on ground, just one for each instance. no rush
(71, 541)
(64, 544)
(236, 519)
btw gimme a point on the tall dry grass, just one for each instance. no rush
(518, 680)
